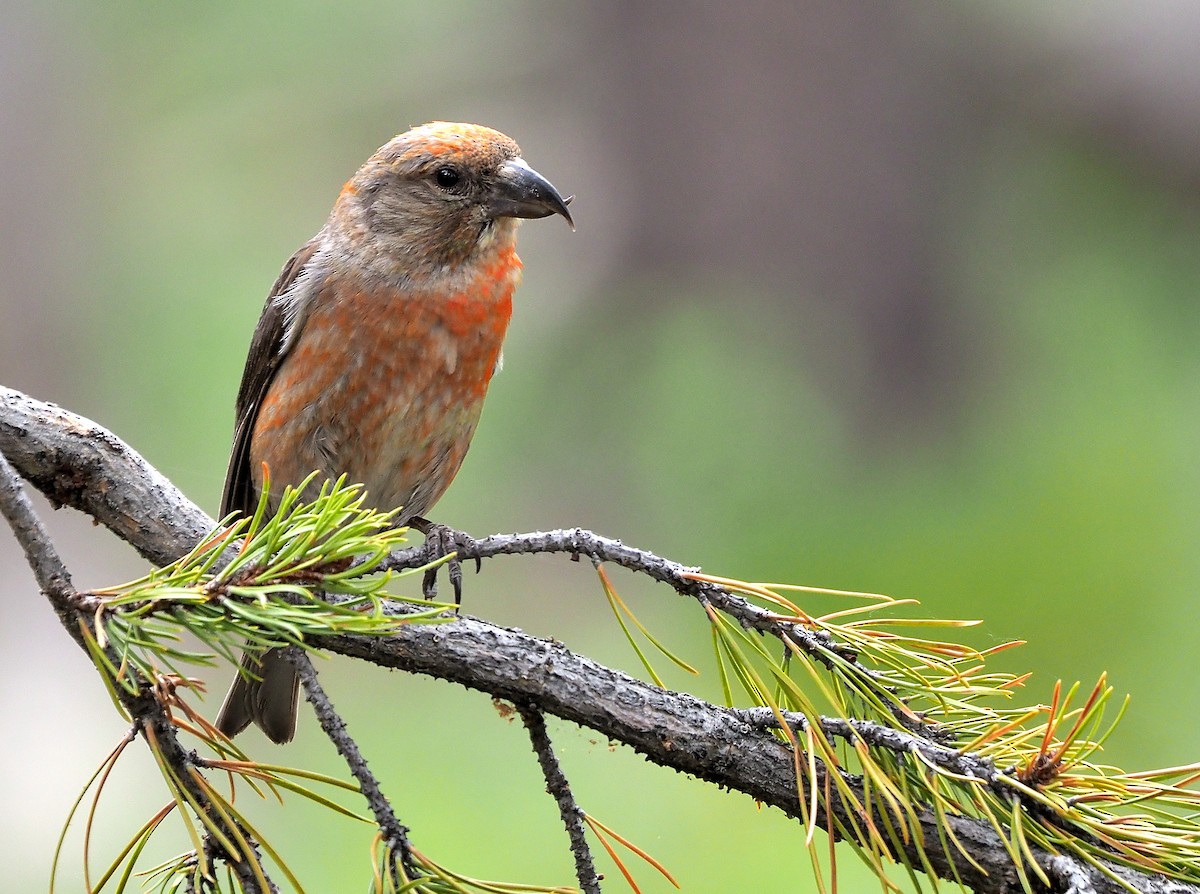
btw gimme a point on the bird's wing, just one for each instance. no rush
(273, 338)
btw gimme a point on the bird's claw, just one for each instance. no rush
(442, 541)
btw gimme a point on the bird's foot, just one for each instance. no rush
(442, 541)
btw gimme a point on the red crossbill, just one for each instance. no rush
(377, 343)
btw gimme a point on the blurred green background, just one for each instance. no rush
(895, 297)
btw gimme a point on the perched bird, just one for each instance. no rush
(377, 343)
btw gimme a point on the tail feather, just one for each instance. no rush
(266, 695)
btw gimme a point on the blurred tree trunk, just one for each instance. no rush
(823, 148)
(810, 146)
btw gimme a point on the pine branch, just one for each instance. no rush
(77, 463)
(558, 787)
(395, 832)
(149, 716)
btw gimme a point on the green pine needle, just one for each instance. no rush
(307, 571)
(935, 692)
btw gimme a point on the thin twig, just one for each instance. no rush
(557, 785)
(581, 542)
(48, 569)
(577, 542)
(335, 728)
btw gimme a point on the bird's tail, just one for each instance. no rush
(266, 696)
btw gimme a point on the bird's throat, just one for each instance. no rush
(483, 302)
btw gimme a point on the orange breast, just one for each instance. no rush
(386, 386)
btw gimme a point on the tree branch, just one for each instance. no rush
(77, 463)
(558, 788)
(48, 568)
(395, 832)
(578, 542)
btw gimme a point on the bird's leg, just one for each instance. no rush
(441, 541)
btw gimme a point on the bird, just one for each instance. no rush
(376, 346)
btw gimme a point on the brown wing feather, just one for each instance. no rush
(266, 354)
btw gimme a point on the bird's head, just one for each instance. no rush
(443, 195)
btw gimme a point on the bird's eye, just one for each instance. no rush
(447, 178)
